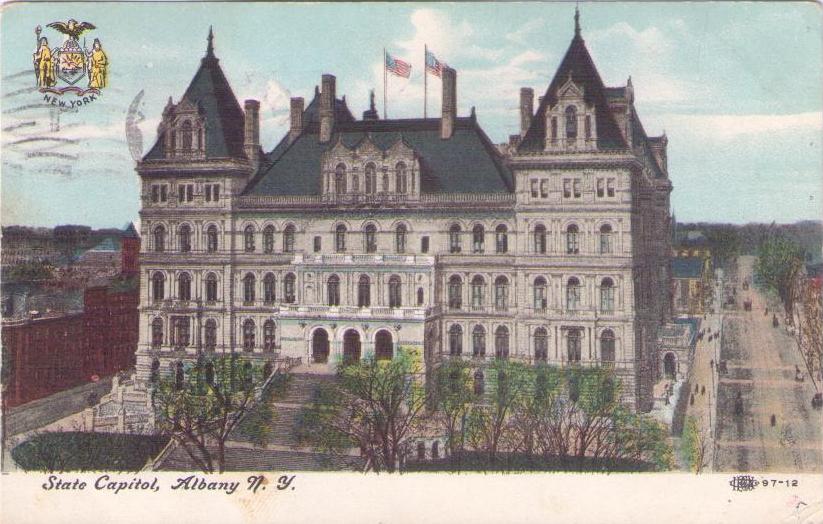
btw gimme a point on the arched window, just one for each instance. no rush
(501, 239)
(249, 283)
(364, 291)
(211, 239)
(541, 301)
(501, 294)
(289, 288)
(479, 341)
(607, 295)
(248, 239)
(478, 291)
(607, 347)
(479, 383)
(158, 286)
(340, 179)
(421, 451)
(184, 287)
(400, 238)
(401, 178)
(159, 239)
(248, 335)
(288, 239)
(180, 333)
(455, 292)
(554, 128)
(395, 292)
(370, 238)
(541, 344)
(540, 239)
(340, 238)
(333, 290)
(501, 342)
(478, 239)
(371, 179)
(184, 235)
(573, 345)
(157, 333)
(185, 135)
(605, 239)
(210, 335)
(455, 340)
(268, 288)
(573, 292)
(454, 239)
(268, 336)
(383, 345)
(268, 239)
(420, 296)
(571, 122)
(211, 287)
(572, 240)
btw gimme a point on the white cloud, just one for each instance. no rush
(518, 36)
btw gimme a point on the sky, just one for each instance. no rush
(735, 86)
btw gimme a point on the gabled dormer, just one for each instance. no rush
(183, 130)
(571, 121)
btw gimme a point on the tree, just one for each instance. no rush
(808, 297)
(453, 399)
(200, 404)
(375, 405)
(777, 267)
(695, 445)
(489, 421)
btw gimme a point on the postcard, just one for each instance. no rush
(412, 262)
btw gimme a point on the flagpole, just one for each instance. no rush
(385, 116)
(425, 79)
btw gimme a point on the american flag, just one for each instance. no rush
(433, 65)
(397, 66)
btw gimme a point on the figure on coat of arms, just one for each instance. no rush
(43, 64)
(98, 66)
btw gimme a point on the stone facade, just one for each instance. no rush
(360, 236)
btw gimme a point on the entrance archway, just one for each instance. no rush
(669, 365)
(383, 345)
(351, 347)
(320, 346)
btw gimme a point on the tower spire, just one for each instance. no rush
(576, 20)
(210, 46)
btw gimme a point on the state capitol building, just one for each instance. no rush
(358, 236)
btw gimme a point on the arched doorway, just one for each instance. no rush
(383, 345)
(669, 365)
(320, 346)
(351, 347)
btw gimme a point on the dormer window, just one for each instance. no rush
(588, 127)
(571, 122)
(371, 179)
(340, 179)
(554, 129)
(185, 134)
(401, 181)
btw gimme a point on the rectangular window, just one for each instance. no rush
(577, 190)
(424, 244)
(317, 244)
(189, 192)
(215, 192)
(181, 193)
(600, 192)
(208, 192)
(567, 188)
(163, 193)
(155, 193)
(610, 187)
(544, 188)
(534, 187)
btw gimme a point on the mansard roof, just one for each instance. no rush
(578, 65)
(211, 93)
(465, 163)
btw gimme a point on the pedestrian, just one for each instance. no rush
(773, 420)
(695, 388)
(712, 364)
(691, 400)
(702, 390)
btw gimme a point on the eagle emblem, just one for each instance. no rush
(71, 62)
(72, 28)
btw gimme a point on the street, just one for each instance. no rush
(761, 362)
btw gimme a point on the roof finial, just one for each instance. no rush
(576, 20)
(210, 47)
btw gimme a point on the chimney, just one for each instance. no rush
(327, 100)
(296, 118)
(526, 109)
(449, 115)
(251, 130)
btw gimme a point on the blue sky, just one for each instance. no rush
(736, 87)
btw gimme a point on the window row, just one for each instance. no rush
(350, 182)
(185, 193)
(573, 237)
(180, 334)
